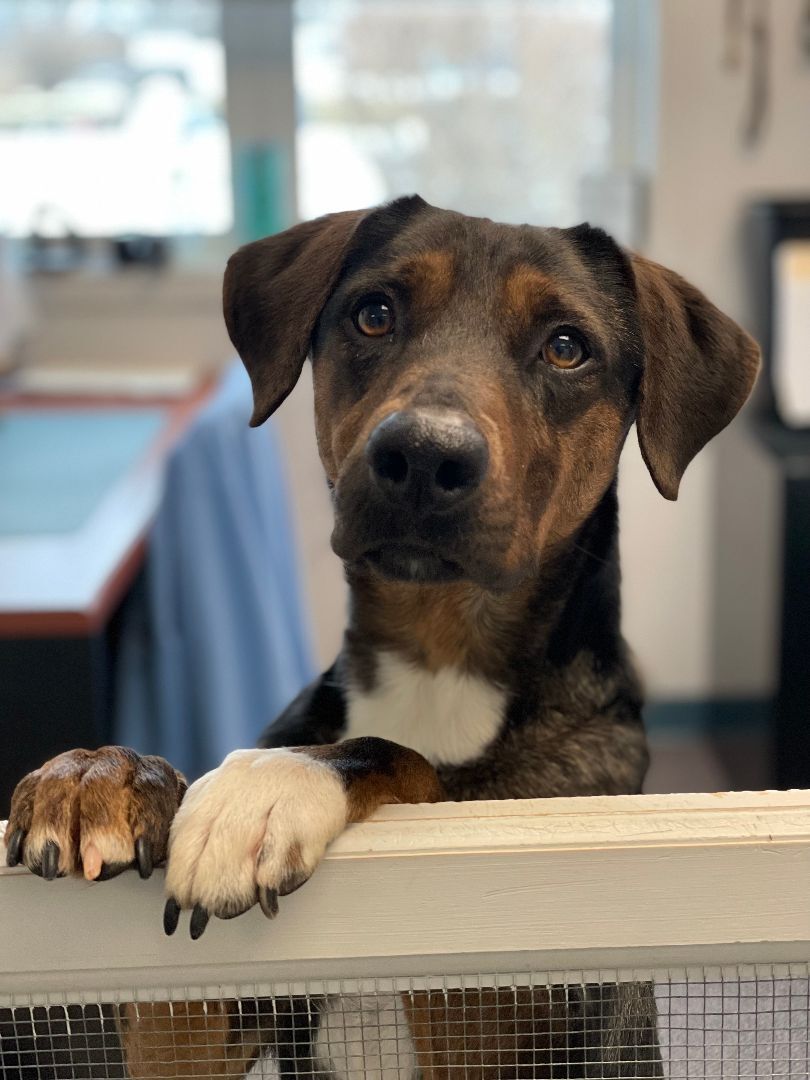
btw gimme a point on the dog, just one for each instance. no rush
(474, 384)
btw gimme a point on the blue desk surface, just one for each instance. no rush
(56, 465)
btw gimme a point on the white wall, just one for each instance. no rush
(701, 576)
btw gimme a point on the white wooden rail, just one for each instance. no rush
(628, 884)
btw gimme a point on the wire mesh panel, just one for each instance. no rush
(744, 1026)
(684, 1025)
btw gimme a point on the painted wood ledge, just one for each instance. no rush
(627, 883)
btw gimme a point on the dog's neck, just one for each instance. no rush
(571, 604)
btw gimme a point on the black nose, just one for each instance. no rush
(427, 459)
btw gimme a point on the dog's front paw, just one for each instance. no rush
(93, 812)
(252, 830)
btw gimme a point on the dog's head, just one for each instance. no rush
(474, 382)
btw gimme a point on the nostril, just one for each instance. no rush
(426, 458)
(391, 465)
(452, 475)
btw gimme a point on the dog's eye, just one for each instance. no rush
(374, 318)
(565, 349)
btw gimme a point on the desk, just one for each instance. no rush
(80, 486)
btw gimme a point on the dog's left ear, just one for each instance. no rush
(273, 292)
(699, 368)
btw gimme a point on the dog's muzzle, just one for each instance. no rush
(409, 503)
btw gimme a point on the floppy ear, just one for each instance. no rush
(273, 292)
(699, 368)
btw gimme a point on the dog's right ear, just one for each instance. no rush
(273, 292)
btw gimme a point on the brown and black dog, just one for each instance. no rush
(474, 385)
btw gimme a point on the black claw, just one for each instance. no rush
(293, 882)
(111, 870)
(143, 857)
(268, 901)
(171, 916)
(14, 847)
(199, 921)
(50, 860)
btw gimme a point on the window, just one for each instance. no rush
(112, 117)
(495, 107)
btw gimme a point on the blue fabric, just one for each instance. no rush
(213, 643)
(56, 465)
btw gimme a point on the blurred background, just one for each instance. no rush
(165, 574)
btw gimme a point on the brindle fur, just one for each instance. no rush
(521, 586)
(544, 623)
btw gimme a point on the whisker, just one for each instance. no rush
(590, 554)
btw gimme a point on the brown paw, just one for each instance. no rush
(93, 812)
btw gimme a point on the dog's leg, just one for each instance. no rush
(535, 1032)
(188, 1038)
(621, 1024)
(221, 1040)
(521, 1032)
(255, 828)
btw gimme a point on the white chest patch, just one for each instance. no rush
(449, 717)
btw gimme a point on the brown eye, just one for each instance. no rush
(565, 350)
(375, 318)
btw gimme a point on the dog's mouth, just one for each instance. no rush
(409, 562)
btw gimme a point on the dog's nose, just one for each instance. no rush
(427, 458)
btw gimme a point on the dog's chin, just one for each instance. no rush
(417, 560)
(408, 563)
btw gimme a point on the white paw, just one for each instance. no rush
(253, 829)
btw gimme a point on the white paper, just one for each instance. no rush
(791, 343)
